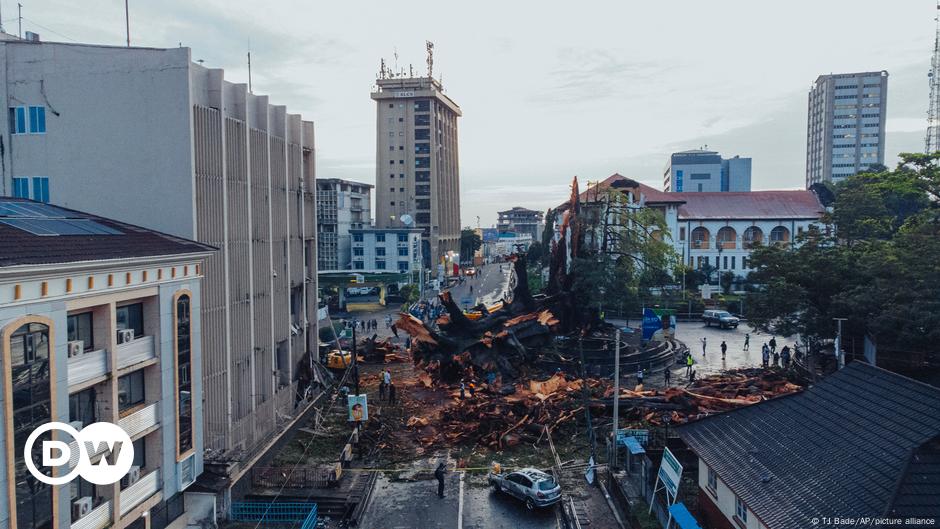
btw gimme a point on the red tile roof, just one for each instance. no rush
(796, 204)
(617, 181)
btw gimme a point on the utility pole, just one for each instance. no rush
(355, 359)
(249, 72)
(840, 355)
(932, 141)
(613, 455)
(19, 12)
(127, 23)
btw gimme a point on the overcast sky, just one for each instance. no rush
(548, 89)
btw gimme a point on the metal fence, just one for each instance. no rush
(294, 477)
(275, 513)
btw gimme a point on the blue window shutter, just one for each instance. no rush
(37, 120)
(21, 187)
(40, 189)
(20, 120)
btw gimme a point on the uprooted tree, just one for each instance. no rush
(609, 245)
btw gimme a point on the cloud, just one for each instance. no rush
(590, 74)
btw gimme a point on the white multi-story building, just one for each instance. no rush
(845, 131)
(147, 136)
(706, 171)
(386, 250)
(721, 229)
(100, 322)
(342, 205)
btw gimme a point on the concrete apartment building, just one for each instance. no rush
(147, 136)
(100, 322)
(342, 205)
(521, 220)
(386, 250)
(845, 130)
(700, 170)
(417, 169)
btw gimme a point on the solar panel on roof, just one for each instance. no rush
(47, 226)
(31, 210)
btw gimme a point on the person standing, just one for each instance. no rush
(639, 376)
(392, 397)
(381, 390)
(724, 349)
(667, 377)
(439, 474)
(387, 378)
(776, 359)
(785, 356)
(688, 364)
(773, 344)
(765, 355)
(463, 395)
(704, 343)
(747, 341)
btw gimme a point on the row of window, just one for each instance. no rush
(380, 251)
(40, 187)
(28, 120)
(380, 265)
(740, 508)
(380, 237)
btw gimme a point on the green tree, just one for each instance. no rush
(876, 264)
(470, 242)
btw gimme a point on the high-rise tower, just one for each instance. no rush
(932, 143)
(417, 173)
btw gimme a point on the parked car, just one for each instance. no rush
(358, 291)
(531, 485)
(722, 318)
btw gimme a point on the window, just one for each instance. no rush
(401, 147)
(358, 251)
(682, 233)
(423, 218)
(17, 120)
(744, 262)
(422, 105)
(422, 162)
(40, 189)
(700, 237)
(422, 120)
(401, 162)
(380, 264)
(401, 119)
(357, 237)
(80, 489)
(700, 176)
(37, 120)
(140, 452)
(80, 328)
(401, 175)
(20, 187)
(402, 266)
(727, 238)
(422, 134)
(422, 190)
(392, 175)
(779, 235)
(422, 148)
(391, 162)
(726, 262)
(402, 237)
(358, 265)
(131, 317)
(740, 509)
(392, 203)
(379, 237)
(713, 481)
(391, 190)
(391, 147)
(732, 262)
(131, 390)
(422, 203)
(403, 251)
(29, 359)
(184, 383)
(82, 406)
(379, 251)
(422, 176)
(401, 189)
(391, 105)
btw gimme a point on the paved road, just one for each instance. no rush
(692, 333)
(468, 503)
(487, 287)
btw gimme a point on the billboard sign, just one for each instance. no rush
(670, 472)
(658, 324)
(358, 407)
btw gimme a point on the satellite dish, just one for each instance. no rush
(407, 220)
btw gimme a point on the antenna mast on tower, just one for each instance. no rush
(430, 47)
(932, 143)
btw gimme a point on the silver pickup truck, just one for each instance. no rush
(531, 485)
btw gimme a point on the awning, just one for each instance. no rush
(683, 517)
(633, 445)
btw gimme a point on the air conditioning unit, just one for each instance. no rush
(125, 335)
(76, 347)
(133, 476)
(78, 425)
(81, 507)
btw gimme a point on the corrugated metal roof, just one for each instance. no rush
(839, 447)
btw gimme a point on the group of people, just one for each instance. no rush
(368, 325)
(780, 359)
(386, 387)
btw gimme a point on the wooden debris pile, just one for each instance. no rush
(381, 351)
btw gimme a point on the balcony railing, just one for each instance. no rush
(727, 245)
(700, 245)
(87, 366)
(136, 351)
(140, 420)
(98, 518)
(145, 487)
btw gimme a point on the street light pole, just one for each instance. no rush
(840, 356)
(613, 455)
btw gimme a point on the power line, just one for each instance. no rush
(50, 30)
